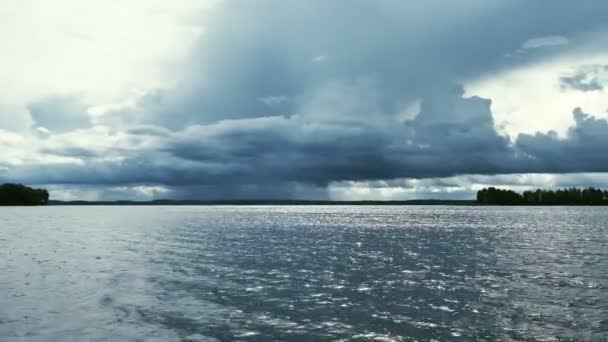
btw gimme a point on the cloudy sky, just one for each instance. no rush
(315, 99)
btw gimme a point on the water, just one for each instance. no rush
(303, 274)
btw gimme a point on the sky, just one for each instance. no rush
(316, 99)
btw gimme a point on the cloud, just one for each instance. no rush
(302, 157)
(586, 78)
(580, 151)
(260, 105)
(248, 53)
(540, 96)
(540, 42)
(113, 193)
(462, 187)
(451, 135)
(59, 114)
(101, 51)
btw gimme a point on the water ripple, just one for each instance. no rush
(303, 273)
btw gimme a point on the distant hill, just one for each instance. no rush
(17, 194)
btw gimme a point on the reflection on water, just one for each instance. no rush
(303, 274)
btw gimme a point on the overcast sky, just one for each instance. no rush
(315, 99)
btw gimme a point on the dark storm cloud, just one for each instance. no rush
(581, 151)
(291, 157)
(290, 149)
(290, 50)
(298, 150)
(281, 98)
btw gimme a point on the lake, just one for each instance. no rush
(304, 273)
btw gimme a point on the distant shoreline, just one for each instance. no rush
(21, 195)
(177, 203)
(260, 202)
(470, 203)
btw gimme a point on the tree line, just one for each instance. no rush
(17, 194)
(569, 196)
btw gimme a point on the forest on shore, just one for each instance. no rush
(569, 196)
(18, 194)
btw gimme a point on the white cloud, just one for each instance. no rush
(539, 42)
(530, 98)
(99, 50)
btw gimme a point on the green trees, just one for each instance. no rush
(499, 196)
(17, 194)
(570, 196)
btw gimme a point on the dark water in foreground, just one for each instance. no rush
(303, 274)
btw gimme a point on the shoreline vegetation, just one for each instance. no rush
(569, 196)
(21, 195)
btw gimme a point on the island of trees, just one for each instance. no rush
(17, 194)
(570, 196)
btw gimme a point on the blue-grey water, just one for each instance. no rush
(304, 273)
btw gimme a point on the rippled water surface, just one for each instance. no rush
(303, 273)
